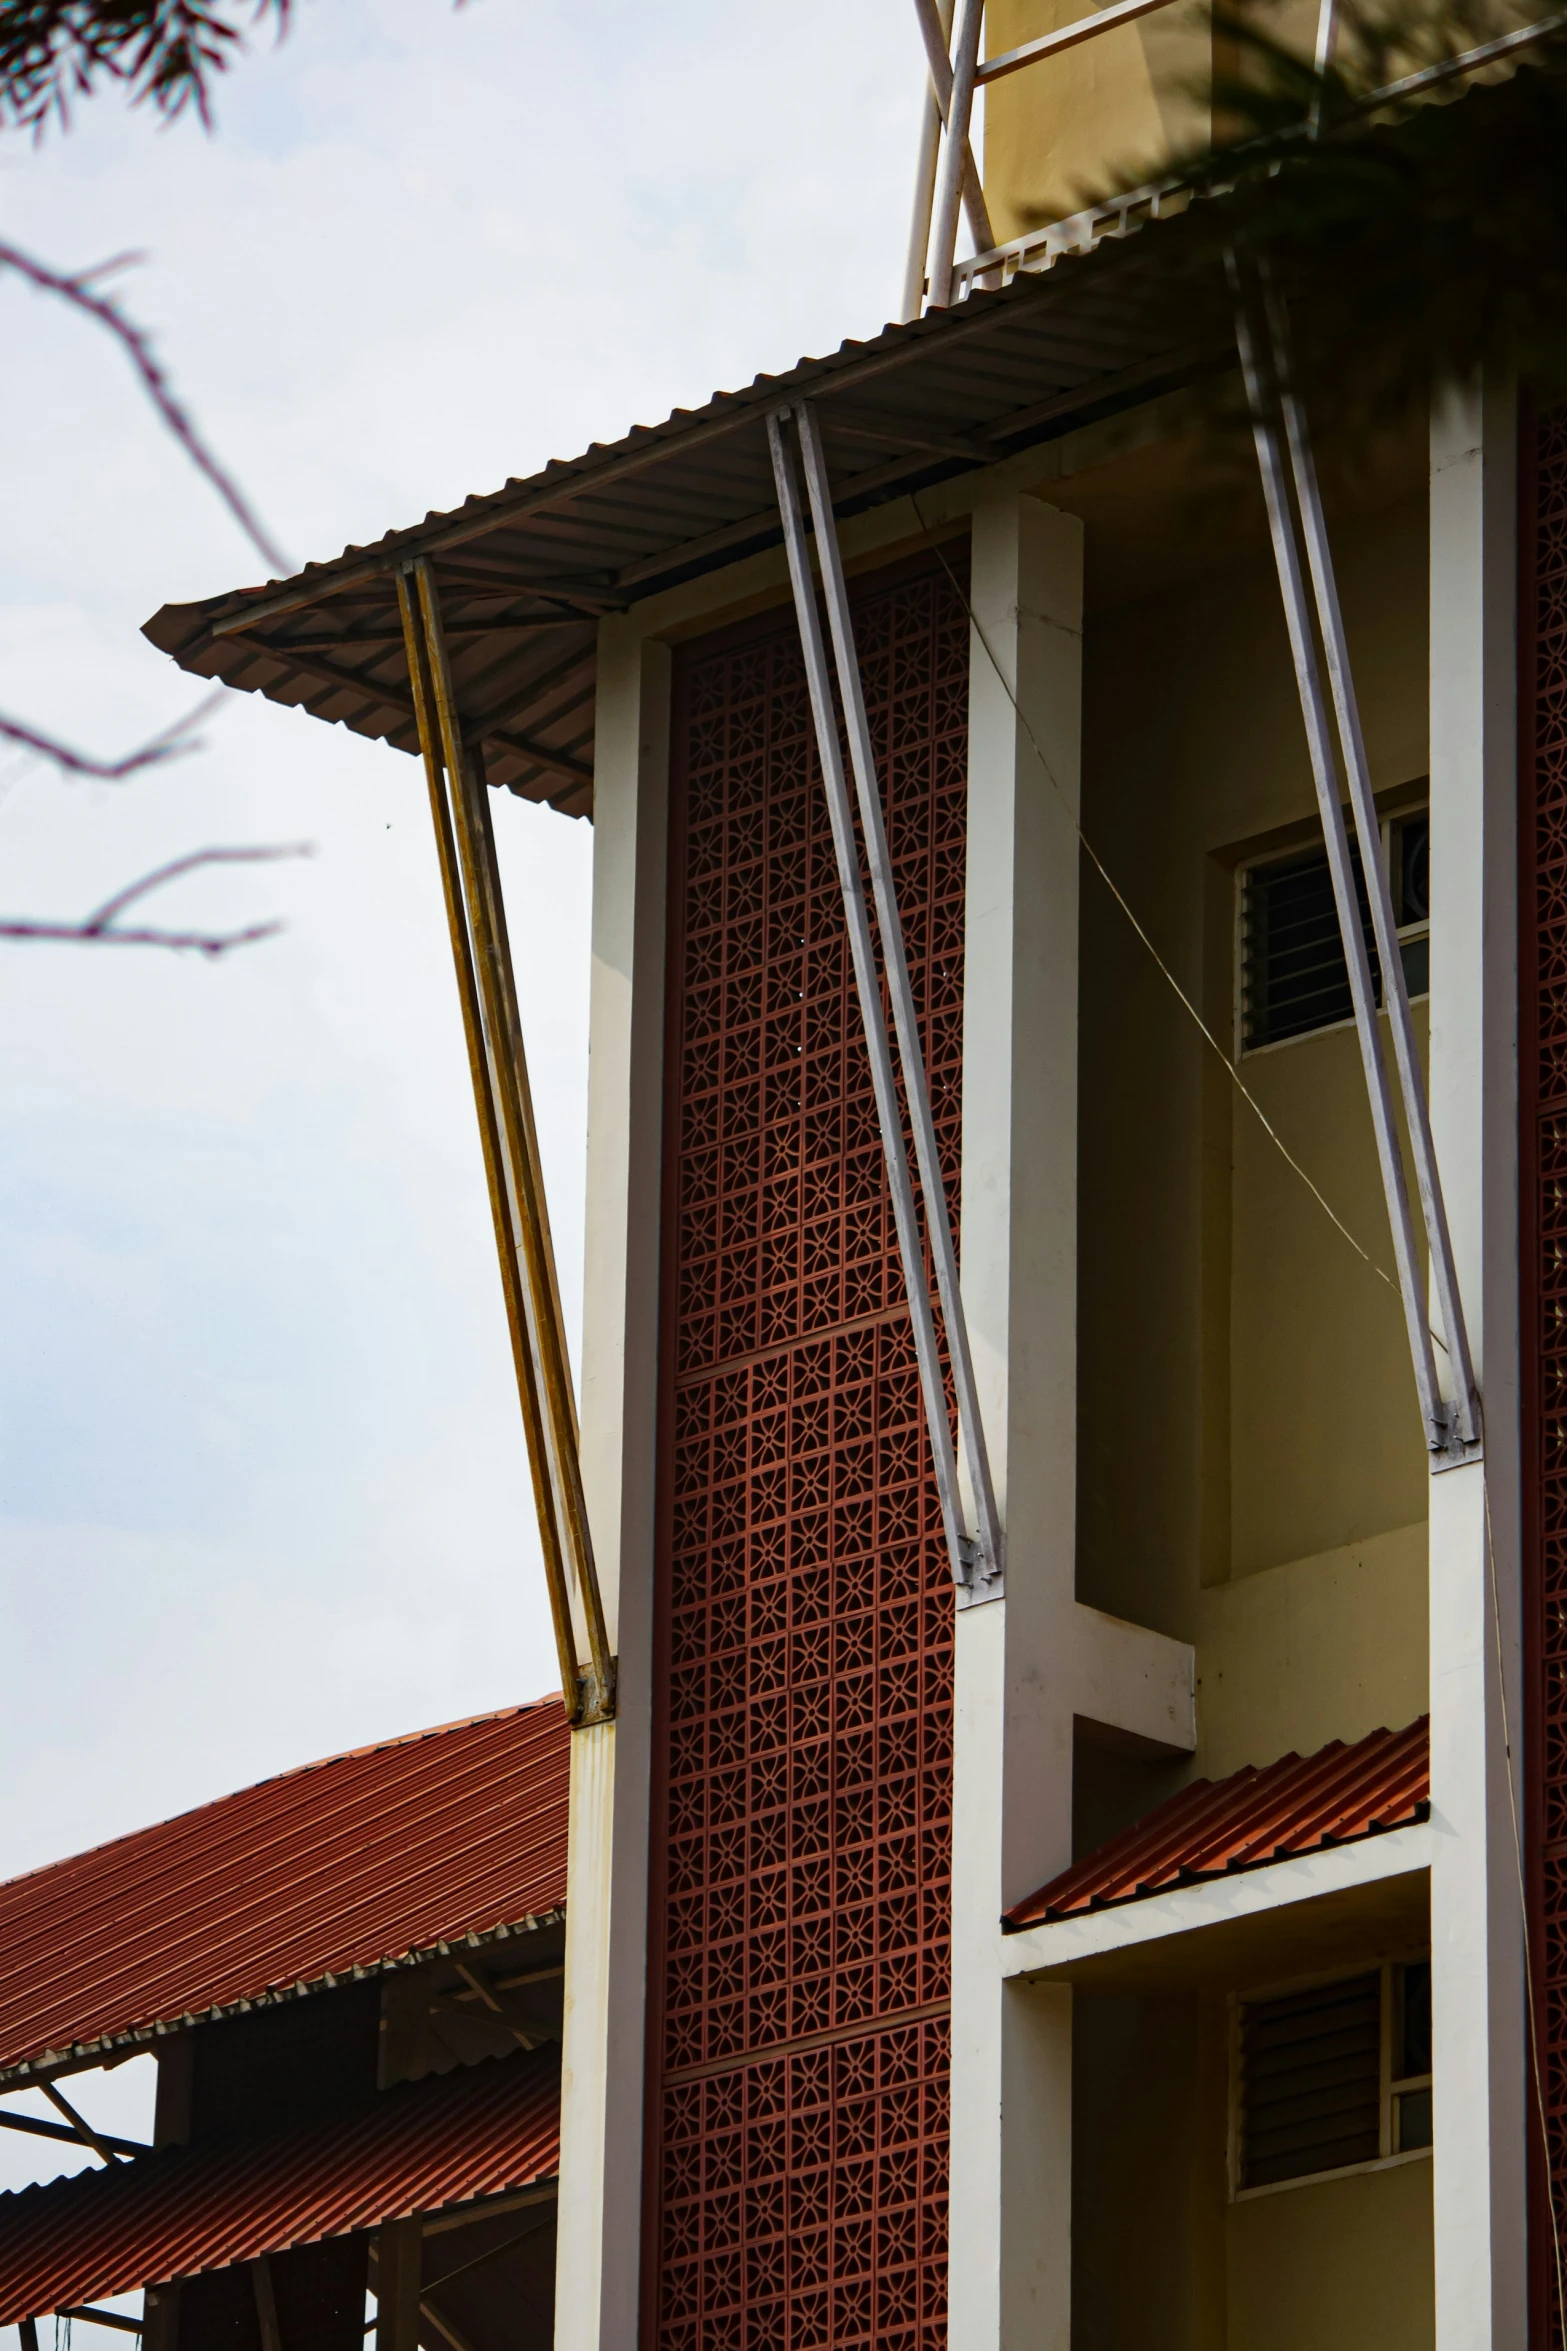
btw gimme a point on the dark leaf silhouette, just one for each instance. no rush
(54, 52)
(1419, 232)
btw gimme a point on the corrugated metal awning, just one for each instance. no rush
(1214, 1827)
(367, 1860)
(485, 2132)
(525, 573)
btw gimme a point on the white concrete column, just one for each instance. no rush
(598, 2261)
(1480, 2051)
(1011, 2065)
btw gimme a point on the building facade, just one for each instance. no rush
(1161, 1947)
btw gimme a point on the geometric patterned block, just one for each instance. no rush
(803, 1783)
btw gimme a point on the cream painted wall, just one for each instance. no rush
(1297, 1289)
(1345, 2265)
(1059, 135)
(1245, 1402)
(1107, 115)
(1337, 2265)
(1324, 1648)
(1149, 2130)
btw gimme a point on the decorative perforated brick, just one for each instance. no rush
(803, 1793)
(1543, 1089)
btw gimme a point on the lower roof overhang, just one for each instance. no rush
(1297, 1917)
(459, 2148)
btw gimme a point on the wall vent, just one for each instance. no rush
(1311, 2081)
(1293, 977)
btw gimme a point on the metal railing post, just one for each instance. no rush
(936, 30)
(470, 880)
(932, 116)
(954, 152)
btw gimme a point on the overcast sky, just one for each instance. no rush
(262, 1484)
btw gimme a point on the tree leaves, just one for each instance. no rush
(54, 52)
(1420, 237)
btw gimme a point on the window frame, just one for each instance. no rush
(1407, 802)
(1391, 2086)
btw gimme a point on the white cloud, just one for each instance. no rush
(261, 1481)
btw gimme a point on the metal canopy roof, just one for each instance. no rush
(526, 572)
(1214, 1827)
(488, 2131)
(366, 1861)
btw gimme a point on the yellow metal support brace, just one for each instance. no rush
(486, 987)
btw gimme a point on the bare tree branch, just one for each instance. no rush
(82, 292)
(172, 743)
(100, 929)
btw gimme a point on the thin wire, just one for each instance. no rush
(506, 2245)
(1490, 1540)
(1523, 1900)
(1098, 864)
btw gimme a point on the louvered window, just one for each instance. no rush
(1333, 2077)
(1293, 977)
(1411, 2086)
(1311, 2081)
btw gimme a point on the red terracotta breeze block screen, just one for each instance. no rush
(803, 1793)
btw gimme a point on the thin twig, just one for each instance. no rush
(99, 929)
(213, 943)
(82, 292)
(172, 743)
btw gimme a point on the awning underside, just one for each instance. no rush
(364, 1861)
(525, 574)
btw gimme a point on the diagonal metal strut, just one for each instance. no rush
(486, 987)
(977, 1562)
(1451, 1422)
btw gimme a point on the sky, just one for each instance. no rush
(262, 1480)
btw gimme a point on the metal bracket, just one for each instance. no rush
(1452, 1423)
(1456, 1451)
(977, 1560)
(487, 989)
(595, 1698)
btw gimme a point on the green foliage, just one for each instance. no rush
(1418, 242)
(53, 52)
(1418, 238)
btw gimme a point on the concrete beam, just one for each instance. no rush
(1134, 1681)
(1017, 1658)
(1189, 1910)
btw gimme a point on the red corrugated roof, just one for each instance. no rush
(362, 1861)
(1215, 1827)
(434, 2144)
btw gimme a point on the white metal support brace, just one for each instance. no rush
(1452, 1423)
(932, 118)
(1078, 232)
(935, 20)
(977, 1561)
(954, 150)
